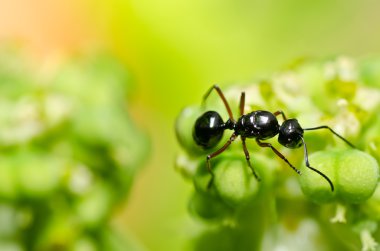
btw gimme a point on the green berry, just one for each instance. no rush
(354, 174)
(184, 129)
(358, 175)
(314, 185)
(202, 177)
(208, 207)
(234, 182)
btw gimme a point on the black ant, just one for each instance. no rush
(261, 125)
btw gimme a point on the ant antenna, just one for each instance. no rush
(312, 168)
(331, 130)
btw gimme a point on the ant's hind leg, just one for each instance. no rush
(264, 144)
(247, 157)
(221, 95)
(242, 103)
(276, 113)
(214, 154)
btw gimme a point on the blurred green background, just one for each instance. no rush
(176, 48)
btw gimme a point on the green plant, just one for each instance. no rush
(69, 152)
(242, 214)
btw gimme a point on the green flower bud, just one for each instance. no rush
(354, 174)
(208, 207)
(202, 177)
(314, 185)
(234, 182)
(39, 175)
(371, 139)
(339, 88)
(184, 129)
(188, 165)
(94, 207)
(31, 174)
(358, 175)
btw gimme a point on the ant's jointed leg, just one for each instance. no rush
(264, 144)
(242, 103)
(221, 95)
(214, 154)
(247, 157)
(280, 112)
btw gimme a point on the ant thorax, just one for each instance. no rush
(257, 124)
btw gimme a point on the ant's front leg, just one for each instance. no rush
(221, 95)
(214, 154)
(264, 144)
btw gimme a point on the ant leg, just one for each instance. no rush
(214, 154)
(331, 130)
(280, 112)
(242, 103)
(247, 157)
(221, 95)
(312, 168)
(264, 144)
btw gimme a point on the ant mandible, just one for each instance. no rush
(261, 125)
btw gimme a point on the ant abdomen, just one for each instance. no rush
(208, 129)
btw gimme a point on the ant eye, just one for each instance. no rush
(208, 129)
(290, 134)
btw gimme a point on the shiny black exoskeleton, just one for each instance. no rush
(257, 124)
(208, 129)
(261, 125)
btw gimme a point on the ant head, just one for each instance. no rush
(208, 129)
(290, 134)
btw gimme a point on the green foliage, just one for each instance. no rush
(340, 93)
(69, 152)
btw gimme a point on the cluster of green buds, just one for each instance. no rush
(68, 152)
(287, 211)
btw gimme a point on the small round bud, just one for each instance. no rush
(314, 185)
(184, 129)
(358, 175)
(208, 207)
(354, 174)
(234, 182)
